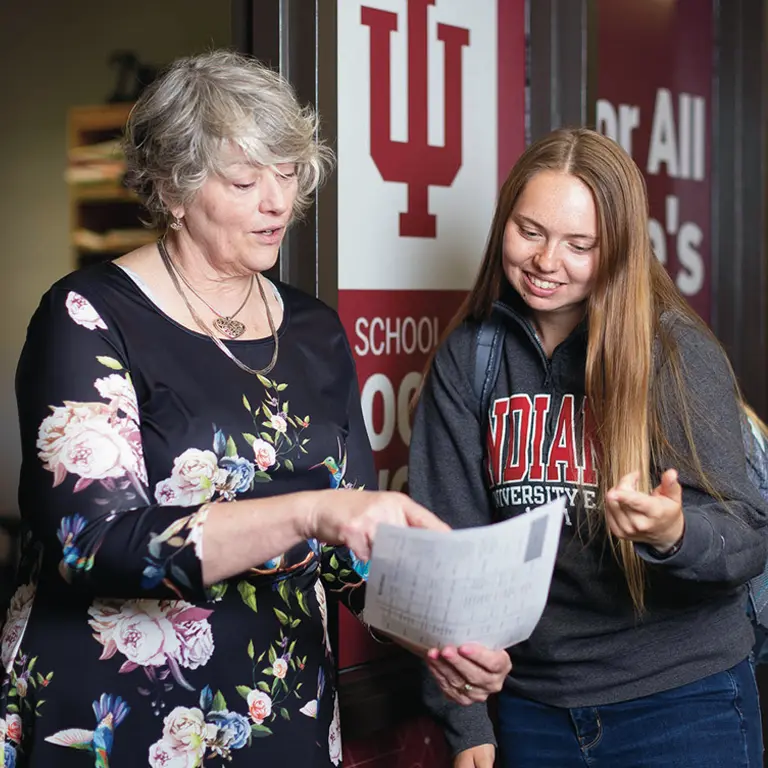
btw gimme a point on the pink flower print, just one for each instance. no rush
(120, 393)
(195, 643)
(54, 430)
(259, 706)
(82, 312)
(15, 624)
(14, 728)
(334, 735)
(139, 629)
(165, 755)
(196, 469)
(83, 439)
(280, 668)
(153, 633)
(168, 493)
(147, 638)
(129, 430)
(192, 480)
(185, 729)
(278, 423)
(323, 606)
(264, 454)
(22, 683)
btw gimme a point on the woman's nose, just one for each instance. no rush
(274, 199)
(546, 259)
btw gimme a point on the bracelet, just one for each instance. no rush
(378, 637)
(673, 550)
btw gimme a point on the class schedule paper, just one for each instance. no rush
(487, 585)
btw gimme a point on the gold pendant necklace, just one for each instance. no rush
(225, 324)
(174, 274)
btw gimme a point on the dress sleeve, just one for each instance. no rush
(83, 486)
(343, 572)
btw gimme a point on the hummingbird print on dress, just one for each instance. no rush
(337, 467)
(110, 711)
(73, 560)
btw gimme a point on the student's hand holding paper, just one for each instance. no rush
(469, 673)
(482, 756)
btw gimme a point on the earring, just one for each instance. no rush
(176, 224)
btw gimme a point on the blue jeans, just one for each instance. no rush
(712, 723)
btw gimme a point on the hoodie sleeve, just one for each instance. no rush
(725, 541)
(445, 474)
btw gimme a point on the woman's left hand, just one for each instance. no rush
(655, 519)
(469, 673)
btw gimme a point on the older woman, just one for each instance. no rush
(185, 425)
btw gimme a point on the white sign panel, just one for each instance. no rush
(417, 141)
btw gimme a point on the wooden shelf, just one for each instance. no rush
(99, 207)
(114, 251)
(90, 125)
(114, 241)
(97, 192)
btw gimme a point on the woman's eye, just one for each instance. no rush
(581, 248)
(529, 233)
(244, 186)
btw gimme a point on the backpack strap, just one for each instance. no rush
(757, 470)
(488, 346)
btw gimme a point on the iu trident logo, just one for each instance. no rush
(415, 162)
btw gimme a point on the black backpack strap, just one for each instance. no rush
(489, 343)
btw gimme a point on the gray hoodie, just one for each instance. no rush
(591, 647)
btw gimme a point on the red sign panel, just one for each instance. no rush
(656, 63)
(391, 334)
(431, 98)
(431, 118)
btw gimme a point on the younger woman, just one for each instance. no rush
(614, 394)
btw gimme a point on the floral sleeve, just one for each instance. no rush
(343, 572)
(83, 488)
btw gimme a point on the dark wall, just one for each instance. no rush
(740, 274)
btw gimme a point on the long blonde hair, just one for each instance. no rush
(631, 293)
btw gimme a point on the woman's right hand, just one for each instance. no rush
(349, 517)
(476, 757)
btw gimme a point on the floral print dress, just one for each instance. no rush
(114, 652)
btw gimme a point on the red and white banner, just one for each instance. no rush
(431, 102)
(656, 62)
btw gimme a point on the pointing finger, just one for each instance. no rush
(629, 482)
(419, 517)
(634, 501)
(670, 486)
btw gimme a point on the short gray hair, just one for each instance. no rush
(178, 128)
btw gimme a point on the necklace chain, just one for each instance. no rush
(174, 274)
(186, 282)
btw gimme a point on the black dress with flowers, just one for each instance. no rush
(114, 653)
